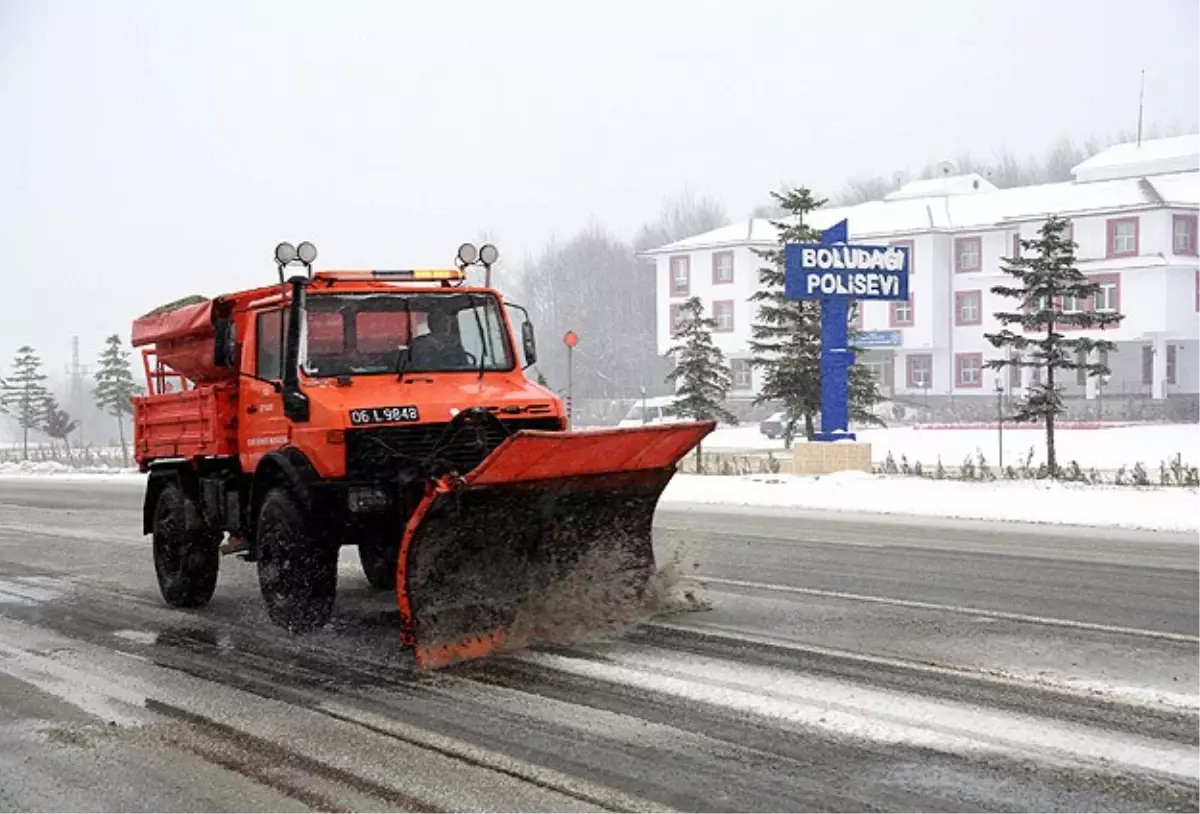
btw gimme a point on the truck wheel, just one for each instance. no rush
(297, 574)
(379, 563)
(185, 561)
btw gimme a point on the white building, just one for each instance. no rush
(1133, 215)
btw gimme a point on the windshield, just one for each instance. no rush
(359, 334)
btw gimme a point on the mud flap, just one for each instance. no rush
(552, 532)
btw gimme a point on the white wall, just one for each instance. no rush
(745, 283)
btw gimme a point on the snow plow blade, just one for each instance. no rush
(552, 529)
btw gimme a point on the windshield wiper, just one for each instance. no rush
(485, 349)
(404, 352)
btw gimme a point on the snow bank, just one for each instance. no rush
(1156, 508)
(1105, 447)
(61, 470)
(1063, 425)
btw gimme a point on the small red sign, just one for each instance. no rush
(571, 339)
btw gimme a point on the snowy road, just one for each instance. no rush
(846, 664)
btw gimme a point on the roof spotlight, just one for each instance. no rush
(285, 253)
(467, 253)
(489, 254)
(307, 253)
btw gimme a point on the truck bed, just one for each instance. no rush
(201, 422)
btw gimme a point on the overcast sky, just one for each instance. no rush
(150, 150)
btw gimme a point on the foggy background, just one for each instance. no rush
(153, 150)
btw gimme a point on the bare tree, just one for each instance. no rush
(681, 216)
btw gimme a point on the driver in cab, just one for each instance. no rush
(440, 348)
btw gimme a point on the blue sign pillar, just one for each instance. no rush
(836, 272)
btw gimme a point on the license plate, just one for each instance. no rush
(384, 415)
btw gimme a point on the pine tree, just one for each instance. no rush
(115, 388)
(58, 423)
(1047, 275)
(786, 336)
(23, 396)
(700, 373)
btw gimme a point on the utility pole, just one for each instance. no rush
(570, 339)
(1000, 421)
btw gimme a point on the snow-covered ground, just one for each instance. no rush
(1157, 508)
(1170, 508)
(1104, 449)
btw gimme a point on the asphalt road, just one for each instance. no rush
(845, 664)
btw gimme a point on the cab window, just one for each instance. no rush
(269, 360)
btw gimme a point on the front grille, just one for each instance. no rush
(369, 450)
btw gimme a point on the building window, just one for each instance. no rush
(722, 268)
(741, 373)
(968, 254)
(967, 310)
(1068, 234)
(723, 315)
(1171, 363)
(1081, 359)
(1108, 298)
(912, 254)
(1071, 304)
(919, 369)
(902, 314)
(968, 370)
(1016, 247)
(1014, 371)
(881, 371)
(676, 311)
(681, 276)
(856, 315)
(1122, 237)
(1184, 234)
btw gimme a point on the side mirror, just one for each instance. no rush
(528, 343)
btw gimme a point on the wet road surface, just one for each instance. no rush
(845, 664)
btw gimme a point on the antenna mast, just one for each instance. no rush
(1141, 101)
(77, 372)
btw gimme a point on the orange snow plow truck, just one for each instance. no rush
(387, 410)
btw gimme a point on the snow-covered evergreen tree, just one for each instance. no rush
(115, 388)
(57, 423)
(700, 374)
(23, 395)
(1048, 279)
(786, 336)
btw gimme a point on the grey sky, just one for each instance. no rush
(154, 149)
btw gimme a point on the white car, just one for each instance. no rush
(655, 412)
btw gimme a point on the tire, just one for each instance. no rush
(379, 563)
(185, 561)
(297, 573)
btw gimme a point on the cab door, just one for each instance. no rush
(263, 426)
